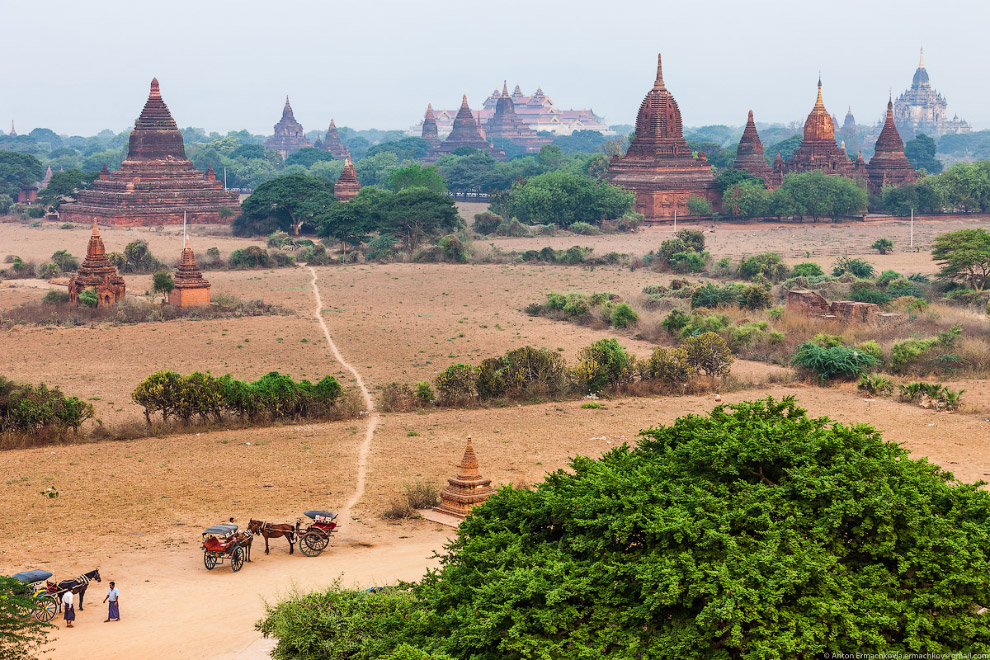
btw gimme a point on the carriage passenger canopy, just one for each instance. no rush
(226, 529)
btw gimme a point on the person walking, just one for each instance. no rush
(113, 595)
(67, 608)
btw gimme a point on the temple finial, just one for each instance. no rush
(96, 229)
(921, 62)
(155, 92)
(505, 88)
(658, 84)
(750, 119)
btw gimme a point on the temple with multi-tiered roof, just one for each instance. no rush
(156, 184)
(505, 124)
(750, 156)
(467, 490)
(889, 166)
(818, 150)
(97, 273)
(191, 288)
(659, 166)
(347, 187)
(289, 135)
(331, 142)
(467, 132)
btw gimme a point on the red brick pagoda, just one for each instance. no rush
(156, 184)
(289, 135)
(659, 167)
(465, 134)
(505, 124)
(818, 150)
(430, 128)
(889, 165)
(96, 272)
(191, 288)
(467, 490)
(347, 186)
(331, 142)
(750, 156)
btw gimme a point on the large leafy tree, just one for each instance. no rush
(820, 195)
(921, 153)
(64, 186)
(294, 200)
(17, 169)
(752, 532)
(351, 223)
(416, 214)
(965, 255)
(21, 635)
(308, 156)
(416, 176)
(563, 198)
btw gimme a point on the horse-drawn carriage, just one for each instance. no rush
(48, 595)
(223, 542)
(316, 537)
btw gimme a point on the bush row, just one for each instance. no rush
(577, 307)
(39, 409)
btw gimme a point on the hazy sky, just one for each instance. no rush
(79, 67)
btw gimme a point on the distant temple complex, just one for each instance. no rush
(347, 186)
(467, 490)
(430, 132)
(889, 165)
(156, 184)
(505, 124)
(331, 143)
(97, 273)
(537, 112)
(818, 150)
(191, 288)
(659, 166)
(289, 135)
(921, 109)
(467, 132)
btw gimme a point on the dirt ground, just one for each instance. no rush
(135, 509)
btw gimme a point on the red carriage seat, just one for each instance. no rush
(213, 544)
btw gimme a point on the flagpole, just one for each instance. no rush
(912, 227)
(675, 220)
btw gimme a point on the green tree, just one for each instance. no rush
(416, 176)
(698, 205)
(820, 195)
(471, 173)
(751, 200)
(22, 637)
(416, 214)
(883, 245)
(550, 158)
(407, 148)
(728, 178)
(351, 223)
(17, 169)
(162, 282)
(563, 198)
(921, 153)
(375, 170)
(294, 201)
(307, 157)
(64, 186)
(965, 255)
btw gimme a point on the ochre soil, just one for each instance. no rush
(136, 509)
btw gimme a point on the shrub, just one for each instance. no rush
(688, 262)
(396, 397)
(381, 249)
(490, 379)
(700, 324)
(585, 229)
(603, 364)
(875, 385)
(66, 225)
(669, 248)
(279, 239)
(515, 229)
(38, 409)
(931, 395)
(65, 261)
(556, 301)
(675, 322)
(869, 295)
(826, 340)
(832, 363)
(755, 297)
(55, 297)
(854, 266)
(871, 347)
(576, 305)
(668, 366)
(654, 290)
(708, 354)
(88, 298)
(767, 264)
(623, 316)
(424, 393)
(48, 271)
(712, 296)
(883, 245)
(693, 239)
(455, 385)
(807, 269)
(487, 222)
(250, 257)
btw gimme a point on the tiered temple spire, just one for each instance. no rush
(289, 135)
(191, 288)
(347, 186)
(818, 150)
(430, 133)
(750, 156)
(465, 133)
(505, 124)
(333, 143)
(96, 272)
(889, 165)
(467, 489)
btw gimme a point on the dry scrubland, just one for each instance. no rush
(401, 322)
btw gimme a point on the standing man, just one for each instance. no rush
(113, 595)
(67, 609)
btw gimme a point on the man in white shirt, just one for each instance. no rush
(67, 608)
(113, 596)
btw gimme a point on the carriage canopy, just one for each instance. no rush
(320, 516)
(36, 575)
(225, 529)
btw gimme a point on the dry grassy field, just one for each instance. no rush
(135, 508)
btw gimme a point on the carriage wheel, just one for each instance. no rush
(209, 560)
(45, 609)
(237, 559)
(311, 544)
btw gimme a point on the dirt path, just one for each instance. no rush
(369, 405)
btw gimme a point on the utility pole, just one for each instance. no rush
(675, 220)
(912, 228)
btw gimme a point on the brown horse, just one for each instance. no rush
(273, 531)
(78, 585)
(244, 539)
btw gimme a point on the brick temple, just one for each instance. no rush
(818, 150)
(467, 132)
(96, 272)
(467, 490)
(156, 184)
(429, 132)
(191, 288)
(331, 142)
(505, 124)
(289, 134)
(659, 166)
(889, 165)
(750, 156)
(347, 186)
